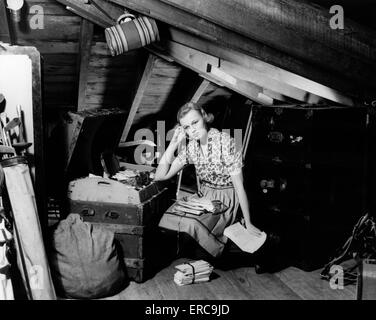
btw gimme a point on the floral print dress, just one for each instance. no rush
(214, 171)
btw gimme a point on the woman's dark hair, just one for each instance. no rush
(208, 118)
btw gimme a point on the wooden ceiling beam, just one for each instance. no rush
(201, 63)
(142, 85)
(334, 70)
(200, 90)
(262, 78)
(112, 10)
(236, 75)
(86, 36)
(276, 73)
(305, 77)
(88, 11)
(242, 87)
(277, 96)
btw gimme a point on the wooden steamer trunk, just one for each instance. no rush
(134, 224)
(133, 214)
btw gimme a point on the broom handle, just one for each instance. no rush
(180, 174)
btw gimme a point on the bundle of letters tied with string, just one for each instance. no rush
(193, 272)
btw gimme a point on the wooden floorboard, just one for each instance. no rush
(238, 284)
(309, 285)
(226, 287)
(264, 286)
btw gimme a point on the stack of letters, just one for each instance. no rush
(193, 272)
(197, 206)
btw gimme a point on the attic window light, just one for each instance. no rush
(15, 8)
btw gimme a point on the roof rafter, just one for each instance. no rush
(208, 67)
(242, 77)
(200, 90)
(148, 70)
(88, 11)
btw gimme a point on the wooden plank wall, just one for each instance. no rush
(4, 28)
(160, 87)
(111, 80)
(58, 45)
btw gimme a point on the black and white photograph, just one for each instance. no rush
(187, 155)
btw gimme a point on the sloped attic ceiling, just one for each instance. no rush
(293, 35)
(304, 58)
(272, 52)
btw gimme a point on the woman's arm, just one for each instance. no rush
(168, 167)
(166, 171)
(237, 181)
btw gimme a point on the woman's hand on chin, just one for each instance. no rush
(179, 136)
